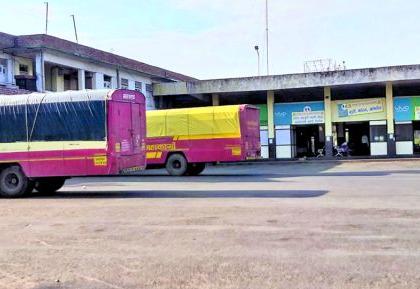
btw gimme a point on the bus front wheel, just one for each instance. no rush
(177, 165)
(49, 185)
(14, 183)
(195, 169)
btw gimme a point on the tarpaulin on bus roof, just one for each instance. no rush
(222, 121)
(201, 121)
(53, 117)
(176, 123)
(156, 123)
(55, 97)
(226, 120)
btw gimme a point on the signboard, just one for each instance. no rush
(360, 107)
(308, 117)
(403, 109)
(407, 108)
(299, 113)
(417, 113)
(263, 114)
(358, 110)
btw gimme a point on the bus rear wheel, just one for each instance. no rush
(49, 185)
(14, 183)
(177, 165)
(195, 169)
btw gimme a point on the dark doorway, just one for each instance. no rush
(358, 138)
(416, 132)
(309, 139)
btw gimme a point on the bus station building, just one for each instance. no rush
(376, 111)
(45, 63)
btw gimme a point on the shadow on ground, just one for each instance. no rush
(194, 194)
(232, 176)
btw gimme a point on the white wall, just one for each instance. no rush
(100, 70)
(9, 77)
(24, 61)
(284, 142)
(264, 142)
(80, 63)
(405, 148)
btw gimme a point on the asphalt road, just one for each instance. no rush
(313, 225)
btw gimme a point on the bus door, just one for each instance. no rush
(128, 132)
(250, 119)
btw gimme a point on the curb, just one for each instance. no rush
(322, 161)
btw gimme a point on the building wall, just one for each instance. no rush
(24, 61)
(55, 82)
(6, 78)
(78, 63)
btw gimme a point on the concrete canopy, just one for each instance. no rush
(291, 81)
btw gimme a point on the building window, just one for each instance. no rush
(138, 86)
(107, 81)
(149, 88)
(124, 83)
(23, 69)
(404, 132)
(378, 133)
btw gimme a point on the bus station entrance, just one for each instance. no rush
(309, 139)
(360, 127)
(300, 129)
(356, 135)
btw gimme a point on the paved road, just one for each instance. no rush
(314, 225)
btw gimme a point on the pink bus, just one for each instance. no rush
(184, 140)
(48, 138)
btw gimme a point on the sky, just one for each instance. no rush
(210, 39)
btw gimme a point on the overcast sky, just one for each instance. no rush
(216, 38)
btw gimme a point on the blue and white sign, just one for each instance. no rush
(299, 113)
(403, 109)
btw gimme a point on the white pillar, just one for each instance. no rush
(39, 72)
(10, 72)
(57, 80)
(114, 82)
(81, 79)
(131, 85)
(98, 80)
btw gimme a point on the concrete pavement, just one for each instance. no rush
(350, 225)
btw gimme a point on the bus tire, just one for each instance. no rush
(49, 185)
(14, 183)
(177, 165)
(195, 169)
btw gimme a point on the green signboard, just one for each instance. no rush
(407, 108)
(263, 114)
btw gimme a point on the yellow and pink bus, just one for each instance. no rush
(184, 140)
(48, 138)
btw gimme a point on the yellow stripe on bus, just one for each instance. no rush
(97, 158)
(153, 155)
(51, 146)
(208, 136)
